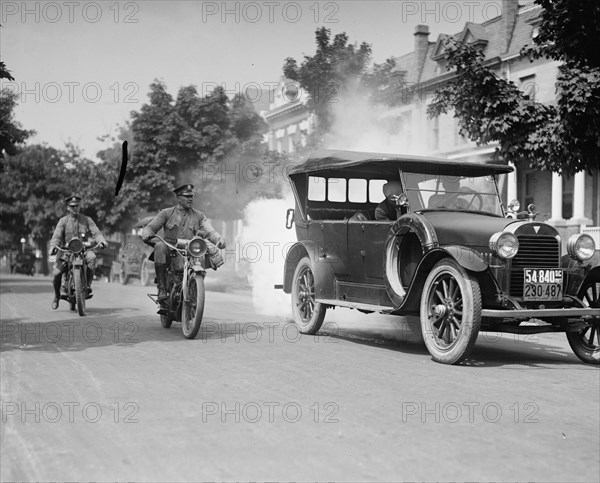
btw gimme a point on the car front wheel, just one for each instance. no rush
(450, 312)
(307, 313)
(586, 342)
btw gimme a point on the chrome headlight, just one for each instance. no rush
(197, 247)
(514, 205)
(581, 247)
(75, 245)
(504, 244)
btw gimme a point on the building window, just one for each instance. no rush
(459, 139)
(528, 86)
(434, 133)
(404, 121)
(567, 197)
(531, 181)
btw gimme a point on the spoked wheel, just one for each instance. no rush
(193, 310)
(123, 277)
(450, 312)
(586, 342)
(79, 290)
(145, 277)
(307, 313)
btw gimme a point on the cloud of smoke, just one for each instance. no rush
(361, 125)
(266, 241)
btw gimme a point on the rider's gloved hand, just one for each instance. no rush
(102, 245)
(54, 251)
(221, 244)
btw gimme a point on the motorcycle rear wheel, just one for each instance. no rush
(193, 310)
(79, 290)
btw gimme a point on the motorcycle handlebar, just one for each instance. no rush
(85, 244)
(171, 246)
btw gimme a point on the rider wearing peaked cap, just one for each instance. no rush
(181, 221)
(73, 225)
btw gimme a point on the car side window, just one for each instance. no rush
(316, 188)
(357, 190)
(336, 189)
(376, 190)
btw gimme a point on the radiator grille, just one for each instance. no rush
(534, 252)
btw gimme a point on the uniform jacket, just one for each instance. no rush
(69, 227)
(386, 211)
(178, 222)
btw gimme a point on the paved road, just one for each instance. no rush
(114, 396)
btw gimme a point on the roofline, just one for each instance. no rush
(325, 160)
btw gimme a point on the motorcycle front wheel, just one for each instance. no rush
(70, 290)
(79, 290)
(193, 310)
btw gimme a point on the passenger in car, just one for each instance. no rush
(388, 209)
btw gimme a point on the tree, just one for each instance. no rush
(5, 73)
(212, 141)
(565, 137)
(338, 68)
(11, 132)
(33, 201)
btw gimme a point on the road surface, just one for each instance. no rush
(115, 397)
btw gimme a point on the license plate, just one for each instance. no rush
(542, 284)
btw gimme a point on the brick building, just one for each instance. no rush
(568, 203)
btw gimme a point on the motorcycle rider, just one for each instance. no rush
(70, 226)
(181, 221)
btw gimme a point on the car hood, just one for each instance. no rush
(460, 228)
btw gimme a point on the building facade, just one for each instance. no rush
(570, 204)
(288, 117)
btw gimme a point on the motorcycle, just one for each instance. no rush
(185, 288)
(75, 277)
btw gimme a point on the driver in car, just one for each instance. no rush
(448, 199)
(181, 221)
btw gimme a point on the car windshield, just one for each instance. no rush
(448, 192)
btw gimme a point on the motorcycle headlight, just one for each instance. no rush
(197, 247)
(75, 245)
(581, 247)
(504, 244)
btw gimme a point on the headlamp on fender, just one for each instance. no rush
(504, 244)
(197, 247)
(581, 247)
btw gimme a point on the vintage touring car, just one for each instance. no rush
(454, 255)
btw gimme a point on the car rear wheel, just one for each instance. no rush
(123, 276)
(586, 342)
(450, 312)
(307, 313)
(146, 278)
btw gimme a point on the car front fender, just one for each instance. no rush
(466, 257)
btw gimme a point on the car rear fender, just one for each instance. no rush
(324, 276)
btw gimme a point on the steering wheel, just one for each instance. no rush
(460, 204)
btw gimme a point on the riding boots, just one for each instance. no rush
(56, 283)
(90, 277)
(161, 281)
